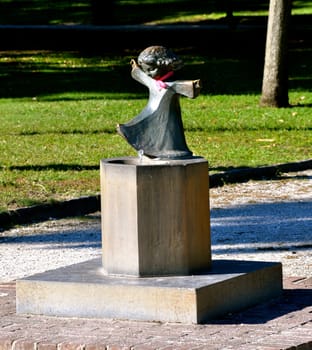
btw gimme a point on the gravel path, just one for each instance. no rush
(257, 220)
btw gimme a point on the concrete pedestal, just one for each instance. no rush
(156, 262)
(81, 290)
(155, 216)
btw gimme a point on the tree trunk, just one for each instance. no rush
(275, 75)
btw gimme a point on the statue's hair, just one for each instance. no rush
(160, 57)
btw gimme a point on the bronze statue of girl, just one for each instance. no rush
(158, 131)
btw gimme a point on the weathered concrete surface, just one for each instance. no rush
(155, 216)
(82, 290)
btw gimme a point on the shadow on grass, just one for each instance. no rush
(219, 77)
(69, 132)
(123, 12)
(223, 174)
(224, 69)
(56, 167)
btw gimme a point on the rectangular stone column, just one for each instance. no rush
(155, 216)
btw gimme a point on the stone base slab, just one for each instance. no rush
(83, 290)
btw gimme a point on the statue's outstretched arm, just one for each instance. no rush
(188, 88)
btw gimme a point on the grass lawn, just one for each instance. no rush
(59, 112)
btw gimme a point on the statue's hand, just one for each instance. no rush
(197, 85)
(133, 63)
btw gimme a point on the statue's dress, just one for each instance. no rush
(158, 129)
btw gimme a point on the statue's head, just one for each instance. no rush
(156, 61)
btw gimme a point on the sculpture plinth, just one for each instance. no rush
(155, 216)
(156, 261)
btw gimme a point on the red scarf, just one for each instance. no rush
(160, 81)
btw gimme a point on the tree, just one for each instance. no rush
(275, 75)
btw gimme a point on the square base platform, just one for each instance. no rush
(82, 290)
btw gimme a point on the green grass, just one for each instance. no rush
(59, 110)
(59, 115)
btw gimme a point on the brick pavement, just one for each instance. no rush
(282, 323)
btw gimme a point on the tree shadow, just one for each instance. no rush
(57, 167)
(239, 229)
(291, 300)
(37, 79)
(225, 63)
(65, 238)
(22, 79)
(122, 12)
(229, 175)
(276, 226)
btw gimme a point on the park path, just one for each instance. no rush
(260, 220)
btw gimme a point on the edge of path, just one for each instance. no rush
(91, 204)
